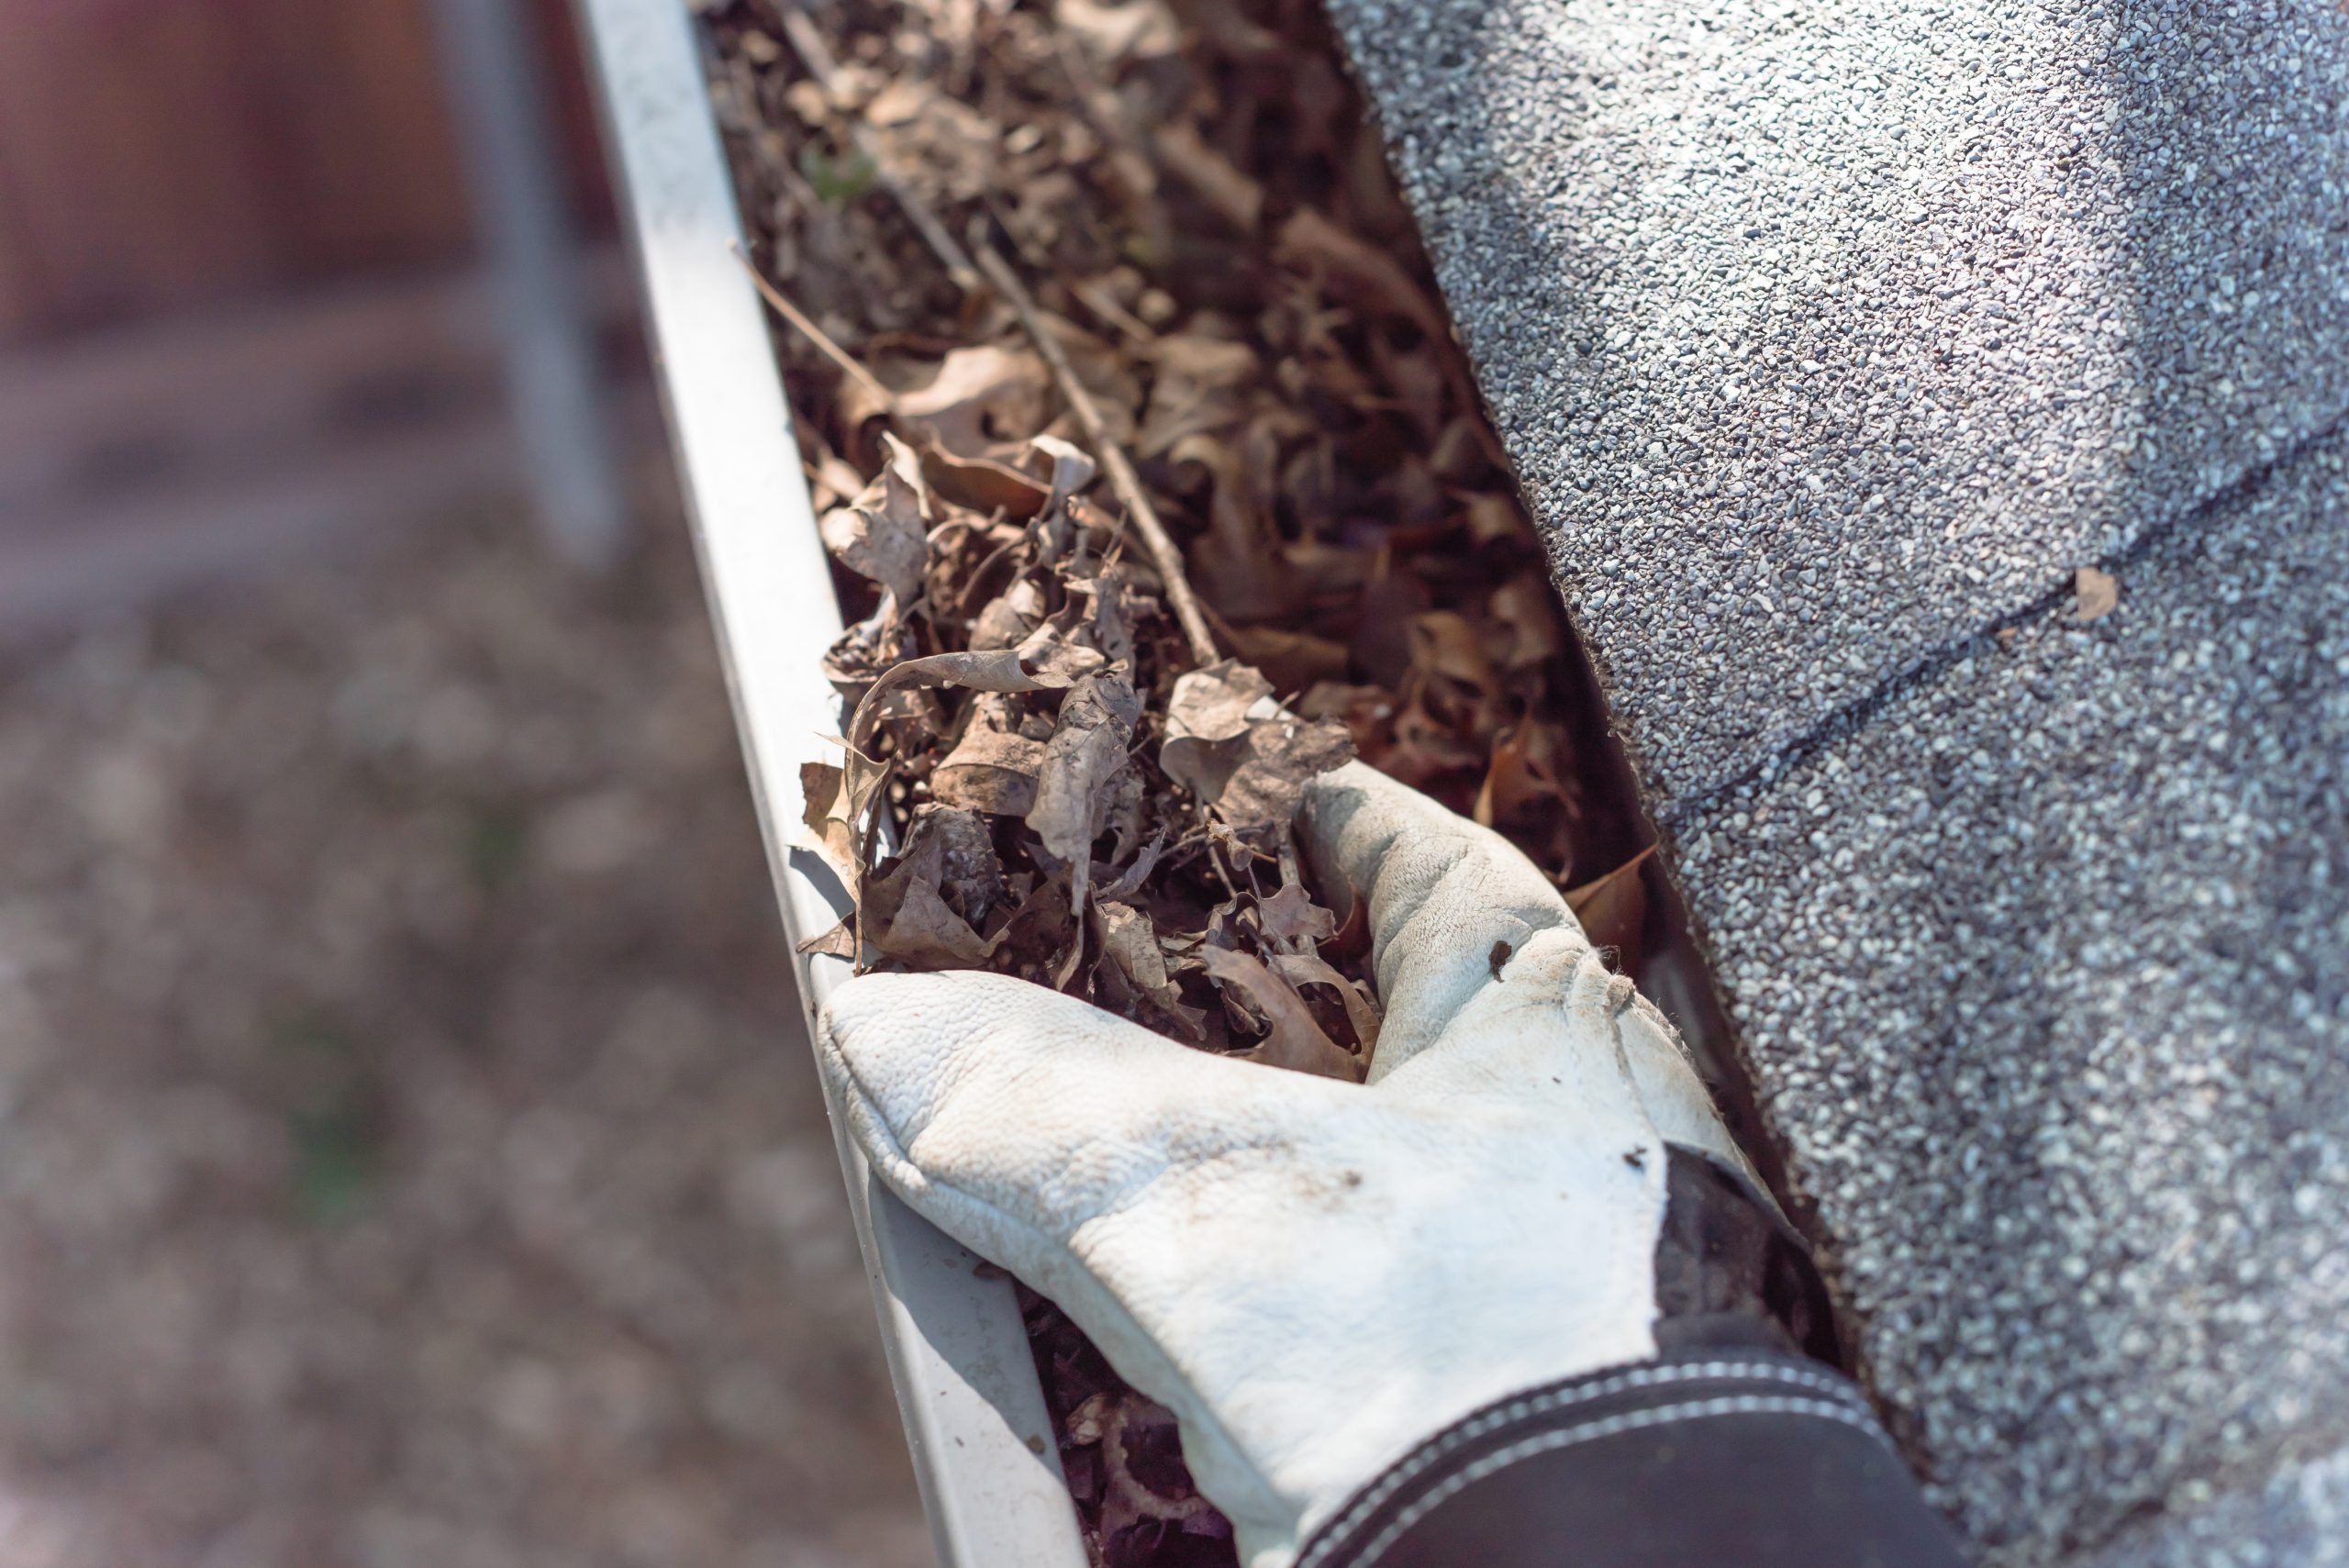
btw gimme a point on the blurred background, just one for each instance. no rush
(408, 1152)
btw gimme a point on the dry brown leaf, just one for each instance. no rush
(1115, 31)
(982, 483)
(1212, 704)
(1010, 617)
(884, 534)
(2098, 593)
(1256, 780)
(1128, 940)
(970, 876)
(1291, 919)
(1136, 1429)
(1199, 389)
(1614, 907)
(1281, 756)
(976, 389)
(1129, 881)
(1446, 643)
(1236, 199)
(1293, 1037)
(825, 811)
(1052, 652)
(1301, 969)
(1226, 27)
(1251, 772)
(861, 653)
(907, 907)
(1112, 607)
(1072, 468)
(1291, 661)
(992, 770)
(832, 480)
(998, 669)
(1087, 752)
(1528, 607)
(1519, 774)
(1369, 276)
(837, 941)
(1495, 519)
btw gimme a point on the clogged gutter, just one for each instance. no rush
(1156, 485)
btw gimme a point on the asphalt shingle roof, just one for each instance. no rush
(1829, 335)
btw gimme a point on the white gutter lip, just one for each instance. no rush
(984, 1450)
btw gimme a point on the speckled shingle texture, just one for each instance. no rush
(2043, 965)
(1829, 337)
(1873, 319)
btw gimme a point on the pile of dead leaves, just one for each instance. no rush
(1142, 544)
(1070, 804)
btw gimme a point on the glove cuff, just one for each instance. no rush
(1764, 1459)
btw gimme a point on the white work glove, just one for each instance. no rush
(1312, 1276)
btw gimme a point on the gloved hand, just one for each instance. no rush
(1313, 1275)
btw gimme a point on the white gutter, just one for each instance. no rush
(983, 1446)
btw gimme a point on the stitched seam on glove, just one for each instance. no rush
(1552, 1401)
(1662, 1415)
(904, 1178)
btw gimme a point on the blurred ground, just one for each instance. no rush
(407, 1154)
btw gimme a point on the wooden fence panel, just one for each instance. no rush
(156, 154)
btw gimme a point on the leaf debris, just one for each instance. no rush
(1158, 485)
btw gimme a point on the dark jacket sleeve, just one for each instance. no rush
(1718, 1458)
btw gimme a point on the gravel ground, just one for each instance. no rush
(409, 1155)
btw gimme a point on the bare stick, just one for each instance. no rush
(847, 362)
(1116, 315)
(1114, 463)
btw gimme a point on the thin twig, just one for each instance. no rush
(1112, 457)
(1116, 315)
(848, 363)
(818, 57)
(1214, 859)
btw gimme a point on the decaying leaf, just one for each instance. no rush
(1302, 969)
(2097, 594)
(1293, 921)
(923, 907)
(993, 768)
(1136, 1439)
(1293, 1039)
(980, 399)
(828, 816)
(1209, 706)
(1519, 774)
(1200, 207)
(1073, 470)
(1526, 608)
(837, 941)
(1237, 198)
(1257, 779)
(1252, 770)
(982, 483)
(1614, 907)
(1447, 643)
(884, 534)
(1115, 31)
(1129, 942)
(1010, 617)
(1291, 661)
(1054, 654)
(1082, 760)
